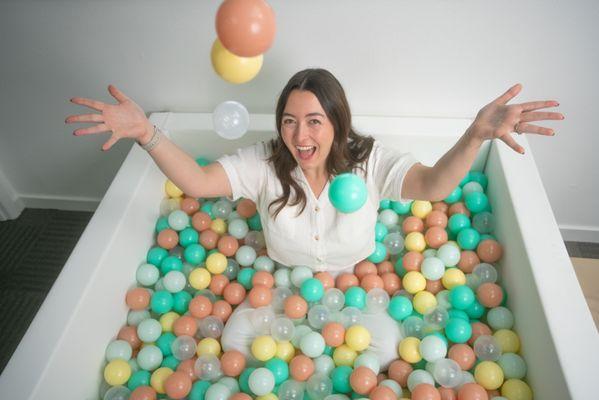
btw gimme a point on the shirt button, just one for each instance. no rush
(319, 259)
(317, 209)
(316, 237)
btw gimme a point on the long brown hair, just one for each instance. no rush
(349, 148)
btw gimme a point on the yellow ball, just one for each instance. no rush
(199, 278)
(232, 68)
(216, 263)
(424, 301)
(515, 389)
(264, 348)
(172, 190)
(409, 349)
(219, 226)
(167, 320)
(208, 346)
(489, 375)
(344, 355)
(421, 208)
(268, 396)
(414, 282)
(285, 351)
(117, 372)
(357, 338)
(415, 242)
(508, 340)
(158, 377)
(453, 277)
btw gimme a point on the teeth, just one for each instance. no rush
(304, 148)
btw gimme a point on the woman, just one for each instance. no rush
(287, 178)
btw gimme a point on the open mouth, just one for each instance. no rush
(305, 152)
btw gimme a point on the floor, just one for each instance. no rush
(35, 246)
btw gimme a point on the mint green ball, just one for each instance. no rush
(348, 193)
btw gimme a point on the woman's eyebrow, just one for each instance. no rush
(286, 114)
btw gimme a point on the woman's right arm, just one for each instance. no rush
(127, 120)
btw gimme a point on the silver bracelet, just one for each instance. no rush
(154, 141)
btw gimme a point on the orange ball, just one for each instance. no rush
(263, 278)
(384, 267)
(463, 355)
(326, 279)
(259, 296)
(447, 393)
(186, 366)
(201, 221)
(489, 294)
(391, 282)
(472, 391)
(436, 218)
(434, 286)
(468, 260)
(189, 205)
(234, 293)
(167, 239)
(295, 306)
(301, 367)
(246, 208)
(372, 281)
(425, 391)
(208, 239)
(138, 298)
(362, 380)
(412, 224)
(346, 280)
(177, 385)
(185, 325)
(412, 260)
(458, 208)
(478, 329)
(441, 206)
(228, 245)
(222, 310)
(435, 236)
(218, 284)
(240, 396)
(489, 251)
(143, 393)
(364, 268)
(200, 307)
(129, 334)
(333, 334)
(399, 370)
(232, 363)
(382, 393)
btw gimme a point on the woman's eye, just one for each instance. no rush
(288, 121)
(314, 121)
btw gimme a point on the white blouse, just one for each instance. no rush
(321, 238)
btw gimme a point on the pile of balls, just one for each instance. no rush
(433, 271)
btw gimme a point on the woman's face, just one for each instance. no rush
(306, 131)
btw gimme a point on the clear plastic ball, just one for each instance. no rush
(222, 208)
(256, 240)
(377, 300)
(283, 277)
(211, 327)
(282, 329)
(472, 281)
(324, 364)
(299, 274)
(419, 376)
(168, 205)
(483, 222)
(261, 319)
(319, 386)
(238, 228)
(333, 299)
(279, 295)
(435, 319)
(394, 243)
(413, 326)
(291, 390)
(337, 397)
(352, 316)
(117, 393)
(207, 293)
(447, 373)
(300, 332)
(467, 377)
(230, 120)
(207, 367)
(318, 316)
(485, 273)
(443, 299)
(183, 347)
(433, 348)
(487, 348)
(232, 269)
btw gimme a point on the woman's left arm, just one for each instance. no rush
(496, 120)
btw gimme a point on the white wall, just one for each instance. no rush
(408, 58)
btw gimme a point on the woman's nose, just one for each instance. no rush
(301, 132)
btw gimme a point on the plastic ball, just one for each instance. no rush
(468, 238)
(369, 360)
(149, 330)
(282, 329)
(516, 389)
(414, 282)
(351, 316)
(208, 345)
(285, 350)
(318, 316)
(117, 372)
(232, 363)
(355, 296)
(489, 375)
(379, 253)
(261, 320)
(489, 294)
(432, 348)
(344, 355)
(487, 348)
(377, 300)
(436, 318)
(476, 201)
(449, 254)
(389, 218)
(457, 330)
(508, 340)
(319, 386)
(489, 251)
(261, 381)
(178, 220)
(362, 380)
(183, 347)
(432, 268)
(463, 355)
(400, 307)
(299, 274)
(461, 297)
(347, 192)
(207, 367)
(149, 357)
(264, 348)
(245, 256)
(232, 68)
(453, 277)
(147, 274)
(312, 290)
(177, 385)
(120, 393)
(333, 299)
(418, 377)
(211, 327)
(409, 349)
(218, 391)
(118, 349)
(414, 241)
(312, 344)
(424, 301)
(447, 373)
(357, 338)
(279, 295)
(340, 377)
(199, 278)
(260, 296)
(413, 326)
(295, 307)
(513, 366)
(282, 277)
(472, 391)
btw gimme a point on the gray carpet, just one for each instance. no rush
(35, 246)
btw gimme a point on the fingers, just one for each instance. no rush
(540, 116)
(510, 94)
(100, 128)
(530, 128)
(536, 105)
(96, 105)
(117, 94)
(507, 139)
(84, 118)
(110, 142)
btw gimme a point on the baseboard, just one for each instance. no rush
(70, 203)
(580, 233)
(11, 204)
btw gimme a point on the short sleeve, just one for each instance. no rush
(389, 168)
(246, 170)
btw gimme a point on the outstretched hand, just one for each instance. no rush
(125, 119)
(497, 120)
